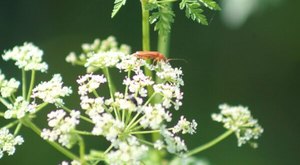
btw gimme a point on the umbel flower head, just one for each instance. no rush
(27, 57)
(8, 142)
(131, 110)
(239, 120)
(8, 87)
(52, 91)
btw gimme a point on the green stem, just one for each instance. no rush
(23, 83)
(31, 84)
(132, 121)
(9, 125)
(209, 144)
(108, 149)
(163, 45)
(95, 93)
(18, 129)
(83, 132)
(110, 83)
(81, 149)
(4, 102)
(35, 129)
(145, 26)
(146, 38)
(41, 106)
(145, 142)
(145, 132)
(111, 89)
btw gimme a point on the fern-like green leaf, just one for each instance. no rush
(163, 19)
(211, 4)
(117, 6)
(193, 11)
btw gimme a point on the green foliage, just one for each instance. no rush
(117, 6)
(210, 4)
(163, 18)
(162, 14)
(193, 9)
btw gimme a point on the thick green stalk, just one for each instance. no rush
(146, 38)
(209, 144)
(64, 151)
(145, 26)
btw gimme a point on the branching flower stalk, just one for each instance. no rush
(134, 110)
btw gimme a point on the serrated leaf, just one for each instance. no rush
(211, 4)
(182, 4)
(151, 5)
(193, 11)
(163, 19)
(117, 7)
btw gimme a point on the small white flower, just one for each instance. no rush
(103, 60)
(107, 126)
(166, 72)
(19, 109)
(154, 116)
(74, 162)
(8, 142)
(185, 126)
(8, 87)
(138, 83)
(169, 92)
(92, 106)
(62, 126)
(159, 144)
(89, 83)
(52, 91)
(27, 57)
(130, 63)
(239, 120)
(127, 152)
(174, 144)
(71, 58)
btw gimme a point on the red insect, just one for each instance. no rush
(154, 55)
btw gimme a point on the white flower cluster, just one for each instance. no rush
(74, 162)
(239, 120)
(128, 152)
(108, 126)
(19, 109)
(137, 110)
(112, 116)
(138, 83)
(8, 87)
(154, 116)
(52, 91)
(185, 126)
(174, 144)
(8, 142)
(27, 57)
(99, 54)
(88, 83)
(103, 60)
(62, 127)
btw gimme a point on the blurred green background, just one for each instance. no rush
(255, 63)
